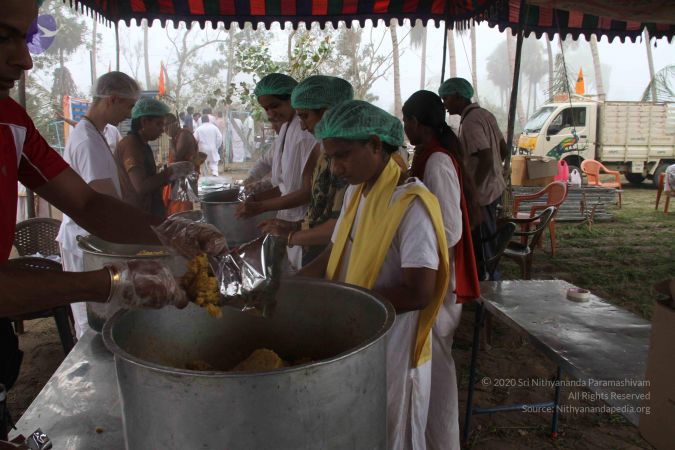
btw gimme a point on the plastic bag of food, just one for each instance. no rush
(185, 189)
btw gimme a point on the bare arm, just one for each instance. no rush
(102, 215)
(23, 293)
(145, 184)
(319, 235)
(105, 186)
(415, 291)
(185, 146)
(317, 268)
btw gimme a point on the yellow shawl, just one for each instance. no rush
(373, 237)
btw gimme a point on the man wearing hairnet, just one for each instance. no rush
(484, 150)
(27, 158)
(136, 158)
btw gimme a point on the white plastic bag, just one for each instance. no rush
(575, 178)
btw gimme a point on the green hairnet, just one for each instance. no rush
(456, 86)
(357, 120)
(275, 84)
(321, 91)
(39, 3)
(149, 107)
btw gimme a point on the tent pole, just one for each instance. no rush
(30, 198)
(117, 48)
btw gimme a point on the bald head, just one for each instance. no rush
(16, 18)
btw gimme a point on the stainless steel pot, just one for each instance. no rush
(97, 253)
(218, 209)
(338, 401)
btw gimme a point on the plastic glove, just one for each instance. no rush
(180, 169)
(190, 238)
(144, 283)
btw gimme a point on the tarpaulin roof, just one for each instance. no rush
(615, 18)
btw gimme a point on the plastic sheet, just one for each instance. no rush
(185, 189)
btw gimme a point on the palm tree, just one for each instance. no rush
(474, 66)
(597, 68)
(418, 38)
(397, 68)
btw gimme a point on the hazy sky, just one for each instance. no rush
(628, 61)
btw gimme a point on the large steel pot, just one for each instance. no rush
(338, 401)
(218, 209)
(97, 253)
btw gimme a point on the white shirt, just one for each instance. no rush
(292, 149)
(89, 156)
(112, 136)
(209, 138)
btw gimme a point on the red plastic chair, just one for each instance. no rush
(555, 193)
(659, 191)
(593, 169)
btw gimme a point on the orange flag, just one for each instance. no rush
(162, 88)
(580, 88)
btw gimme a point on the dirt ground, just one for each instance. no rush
(510, 356)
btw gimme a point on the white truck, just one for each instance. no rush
(635, 138)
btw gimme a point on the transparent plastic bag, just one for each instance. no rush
(185, 189)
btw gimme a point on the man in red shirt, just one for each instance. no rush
(26, 157)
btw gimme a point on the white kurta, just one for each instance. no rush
(408, 388)
(442, 430)
(89, 156)
(209, 138)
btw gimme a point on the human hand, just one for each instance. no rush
(143, 283)
(180, 169)
(190, 238)
(248, 209)
(276, 227)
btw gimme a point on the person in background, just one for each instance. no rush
(209, 139)
(182, 147)
(437, 162)
(27, 158)
(188, 122)
(110, 132)
(292, 161)
(389, 238)
(311, 98)
(137, 159)
(196, 120)
(484, 150)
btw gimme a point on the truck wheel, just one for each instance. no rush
(634, 178)
(657, 173)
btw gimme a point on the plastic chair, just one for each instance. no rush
(593, 169)
(61, 314)
(660, 190)
(555, 193)
(501, 239)
(38, 235)
(563, 172)
(523, 254)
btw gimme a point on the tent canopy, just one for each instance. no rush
(611, 18)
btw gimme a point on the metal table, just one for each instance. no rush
(602, 346)
(79, 407)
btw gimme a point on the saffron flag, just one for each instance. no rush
(580, 89)
(162, 88)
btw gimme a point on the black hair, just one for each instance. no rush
(205, 118)
(190, 109)
(388, 148)
(427, 108)
(282, 97)
(136, 125)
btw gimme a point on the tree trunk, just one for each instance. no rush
(597, 68)
(230, 59)
(289, 46)
(423, 65)
(146, 58)
(452, 56)
(474, 63)
(650, 61)
(549, 51)
(93, 53)
(397, 68)
(512, 62)
(529, 98)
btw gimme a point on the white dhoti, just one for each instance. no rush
(73, 262)
(442, 430)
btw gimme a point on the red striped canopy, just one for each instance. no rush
(541, 16)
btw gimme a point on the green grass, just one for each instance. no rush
(618, 260)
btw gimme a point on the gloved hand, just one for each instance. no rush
(144, 283)
(190, 238)
(180, 169)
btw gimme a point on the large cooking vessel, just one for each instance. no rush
(218, 209)
(338, 401)
(98, 252)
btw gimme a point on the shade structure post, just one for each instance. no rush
(117, 48)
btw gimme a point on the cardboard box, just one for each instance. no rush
(541, 166)
(658, 427)
(527, 170)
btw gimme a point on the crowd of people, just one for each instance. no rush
(350, 207)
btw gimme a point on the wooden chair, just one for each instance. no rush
(60, 314)
(594, 169)
(555, 193)
(523, 254)
(660, 190)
